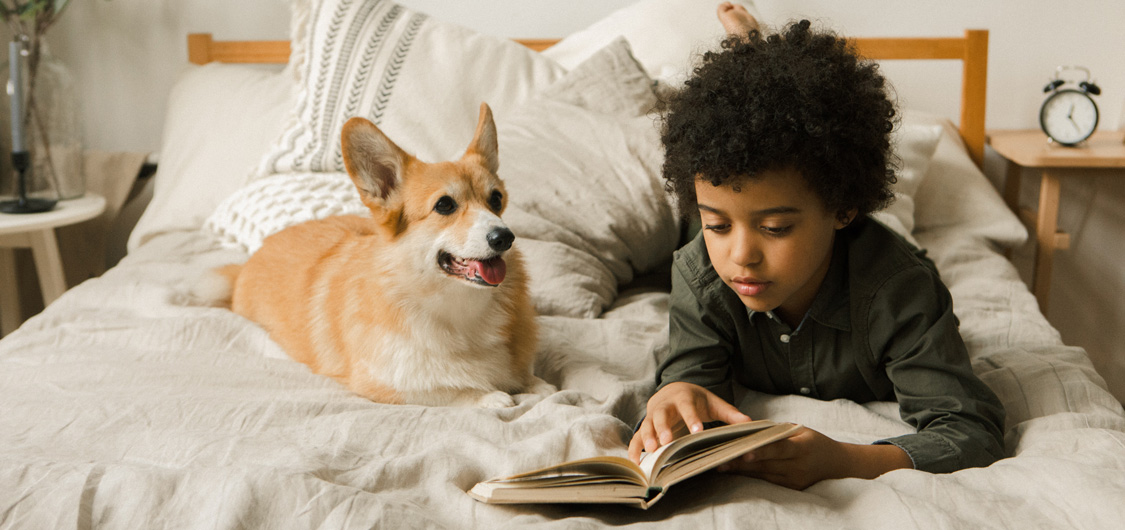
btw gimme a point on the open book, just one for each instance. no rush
(616, 480)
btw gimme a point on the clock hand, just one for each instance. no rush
(1070, 116)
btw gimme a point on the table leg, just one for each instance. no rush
(1012, 186)
(1045, 228)
(48, 264)
(9, 293)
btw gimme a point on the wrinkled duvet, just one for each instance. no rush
(126, 405)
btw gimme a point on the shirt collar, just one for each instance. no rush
(832, 306)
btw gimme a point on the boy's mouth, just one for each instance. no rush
(488, 272)
(749, 286)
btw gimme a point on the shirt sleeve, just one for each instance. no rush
(698, 353)
(913, 332)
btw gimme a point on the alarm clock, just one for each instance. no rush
(1069, 115)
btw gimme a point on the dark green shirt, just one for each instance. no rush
(881, 327)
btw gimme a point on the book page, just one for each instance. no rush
(698, 457)
(599, 467)
(691, 443)
(650, 460)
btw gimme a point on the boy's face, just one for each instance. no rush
(771, 241)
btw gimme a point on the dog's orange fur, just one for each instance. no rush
(353, 299)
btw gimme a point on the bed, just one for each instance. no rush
(131, 403)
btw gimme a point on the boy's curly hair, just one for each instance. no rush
(798, 99)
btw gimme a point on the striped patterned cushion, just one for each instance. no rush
(421, 80)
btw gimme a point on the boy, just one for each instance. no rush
(781, 146)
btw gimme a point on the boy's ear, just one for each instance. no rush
(373, 161)
(484, 142)
(845, 218)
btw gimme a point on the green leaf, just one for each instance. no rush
(32, 8)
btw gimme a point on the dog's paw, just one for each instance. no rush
(496, 400)
(540, 387)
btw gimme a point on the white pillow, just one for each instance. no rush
(420, 80)
(581, 162)
(582, 165)
(666, 35)
(914, 141)
(955, 194)
(220, 119)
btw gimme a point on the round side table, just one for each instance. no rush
(37, 232)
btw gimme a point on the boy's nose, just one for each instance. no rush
(745, 250)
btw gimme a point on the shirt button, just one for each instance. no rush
(785, 339)
(805, 390)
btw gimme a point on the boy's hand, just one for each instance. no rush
(674, 407)
(797, 462)
(808, 457)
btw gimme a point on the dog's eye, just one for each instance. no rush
(496, 201)
(445, 205)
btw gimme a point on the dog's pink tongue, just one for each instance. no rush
(492, 271)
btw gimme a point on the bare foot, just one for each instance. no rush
(736, 20)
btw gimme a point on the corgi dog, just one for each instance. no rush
(424, 302)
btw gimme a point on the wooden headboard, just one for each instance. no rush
(971, 50)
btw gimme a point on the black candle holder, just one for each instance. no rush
(21, 162)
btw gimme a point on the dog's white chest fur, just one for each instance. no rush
(455, 342)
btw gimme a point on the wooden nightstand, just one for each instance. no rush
(1029, 148)
(37, 231)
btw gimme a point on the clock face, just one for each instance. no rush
(1069, 116)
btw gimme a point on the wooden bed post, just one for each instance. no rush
(971, 50)
(974, 87)
(202, 49)
(199, 48)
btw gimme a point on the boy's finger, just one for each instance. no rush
(742, 467)
(647, 437)
(774, 467)
(635, 445)
(690, 416)
(660, 426)
(779, 450)
(723, 411)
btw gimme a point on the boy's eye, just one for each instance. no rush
(717, 228)
(776, 230)
(445, 205)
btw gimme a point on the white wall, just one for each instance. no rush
(126, 55)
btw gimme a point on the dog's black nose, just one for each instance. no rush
(500, 239)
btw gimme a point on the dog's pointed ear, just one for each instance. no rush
(373, 161)
(484, 140)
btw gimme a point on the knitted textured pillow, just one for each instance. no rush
(268, 205)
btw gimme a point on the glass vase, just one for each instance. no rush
(52, 134)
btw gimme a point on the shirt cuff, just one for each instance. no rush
(927, 451)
